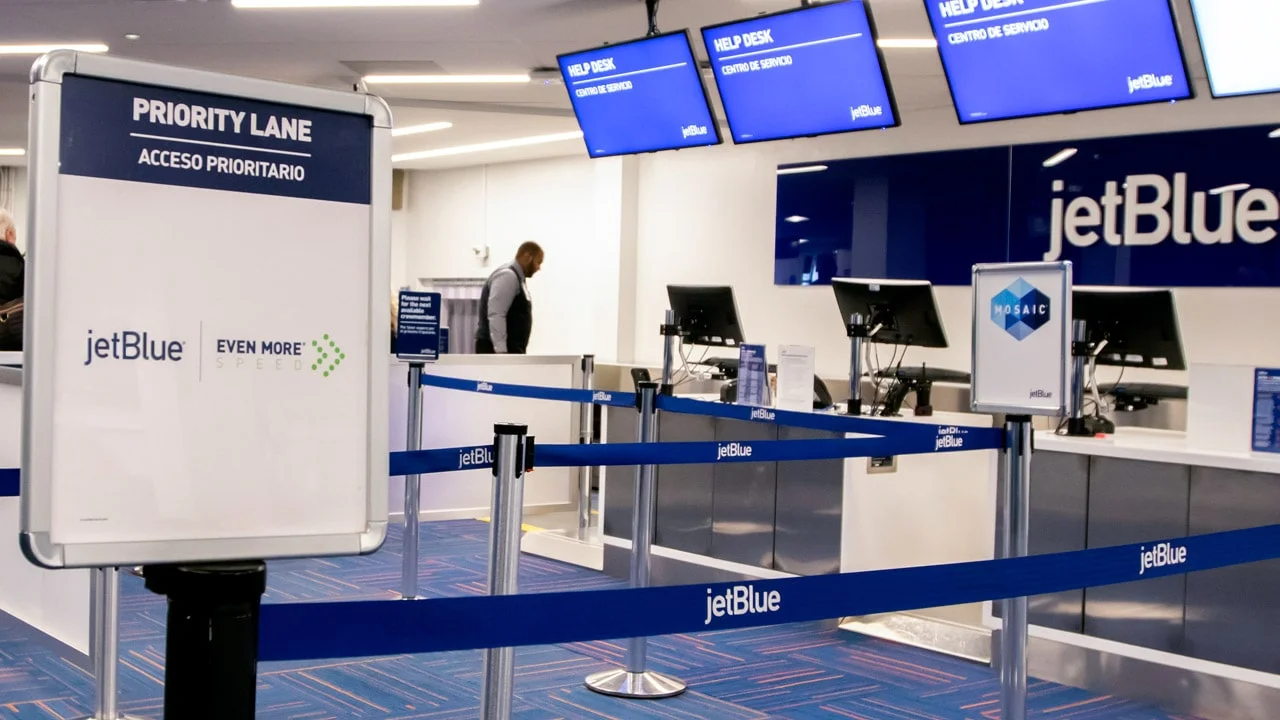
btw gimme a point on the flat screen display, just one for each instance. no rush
(1017, 58)
(811, 71)
(1240, 45)
(640, 96)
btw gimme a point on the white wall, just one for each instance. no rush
(574, 208)
(707, 216)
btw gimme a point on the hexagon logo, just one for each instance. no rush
(1020, 309)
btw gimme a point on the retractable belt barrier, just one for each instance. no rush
(952, 439)
(533, 392)
(310, 631)
(975, 438)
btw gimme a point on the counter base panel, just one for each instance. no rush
(1174, 689)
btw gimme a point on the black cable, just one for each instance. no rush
(652, 7)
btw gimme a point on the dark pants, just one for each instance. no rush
(484, 347)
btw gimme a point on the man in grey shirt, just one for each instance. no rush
(506, 307)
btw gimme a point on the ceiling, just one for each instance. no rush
(334, 47)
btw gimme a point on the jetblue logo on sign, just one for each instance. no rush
(1145, 209)
(949, 438)
(742, 600)
(1020, 309)
(762, 414)
(1149, 81)
(733, 450)
(131, 345)
(1162, 555)
(476, 458)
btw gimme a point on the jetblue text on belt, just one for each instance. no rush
(365, 628)
(140, 133)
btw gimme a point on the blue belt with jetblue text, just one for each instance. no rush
(308, 631)
(976, 438)
(943, 439)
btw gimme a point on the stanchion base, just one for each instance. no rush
(644, 685)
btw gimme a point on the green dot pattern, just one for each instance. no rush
(325, 347)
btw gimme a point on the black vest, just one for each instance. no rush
(519, 318)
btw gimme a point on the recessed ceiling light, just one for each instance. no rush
(797, 219)
(132, 36)
(801, 169)
(485, 147)
(445, 79)
(908, 43)
(1059, 157)
(306, 4)
(42, 48)
(1229, 188)
(419, 129)
(12, 152)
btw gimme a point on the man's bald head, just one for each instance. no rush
(8, 228)
(529, 257)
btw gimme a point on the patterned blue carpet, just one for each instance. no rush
(795, 671)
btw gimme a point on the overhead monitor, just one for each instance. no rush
(707, 314)
(1139, 326)
(640, 96)
(1238, 38)
(897, 312)
(1017, 58)
(810, 71)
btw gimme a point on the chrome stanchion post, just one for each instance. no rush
(857, 336)
(104, 643)
(509, 445)
(584, 438)
(635, 681)
(412, 488)
(1016, 531)
(670, 335)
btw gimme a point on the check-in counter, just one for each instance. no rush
(764, 520)
(53, 604)
(1203, 643)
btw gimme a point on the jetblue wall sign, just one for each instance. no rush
(1020, 348)
(1181, 209)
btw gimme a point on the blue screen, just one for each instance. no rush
(808, 72)
(1015, 58)
(642, 96)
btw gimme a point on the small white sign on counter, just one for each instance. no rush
(1021, 338)
(795, 378)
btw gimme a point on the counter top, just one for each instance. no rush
(1150, 445)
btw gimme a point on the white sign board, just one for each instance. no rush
(1021, 338)
(207, 317)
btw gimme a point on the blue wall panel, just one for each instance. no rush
(1143, 210)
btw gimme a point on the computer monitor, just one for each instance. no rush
(706, 314)
(640, 96)
(820, 62)
(897, 312)
(1140, 326)
(1238, 40)
(1009, 58)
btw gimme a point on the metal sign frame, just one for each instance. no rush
(1062, 387)
(47, 77)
